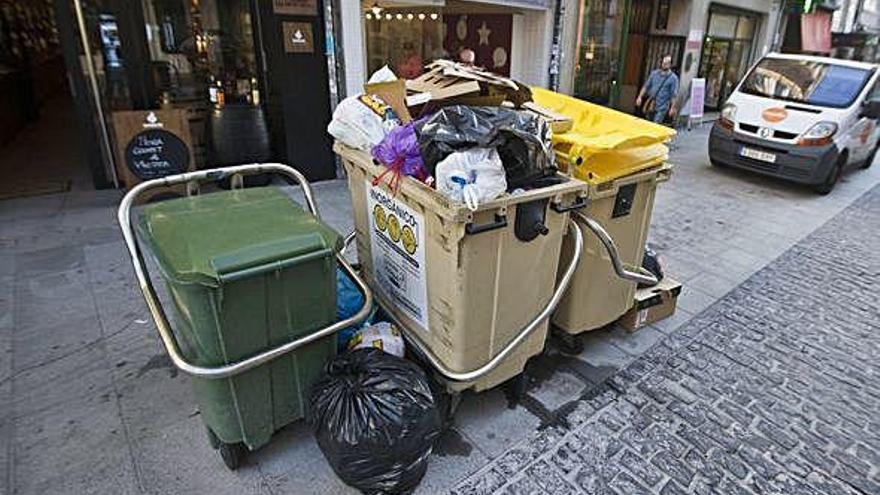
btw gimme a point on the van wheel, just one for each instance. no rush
(871, 157)
(833, 176)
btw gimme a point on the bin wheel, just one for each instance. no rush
(515, 390)
(569, 343)
(833, 177)
(212, 438)
(233, 454)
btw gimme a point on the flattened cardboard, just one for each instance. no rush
(394, 94)
(652, 304)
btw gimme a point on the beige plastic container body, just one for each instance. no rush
(481, 288)
(596, 295)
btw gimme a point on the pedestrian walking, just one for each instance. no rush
(656, 100)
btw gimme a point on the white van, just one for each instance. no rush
(801, 118)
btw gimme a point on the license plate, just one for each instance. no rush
(758, 155)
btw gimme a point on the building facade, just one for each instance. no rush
(512, 37)
(855, 29)
(257, 80)
(612, 45)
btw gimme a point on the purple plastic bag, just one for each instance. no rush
(400, 150)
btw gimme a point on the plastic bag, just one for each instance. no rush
(375, 420)
(521, 138)
(385, 74)
(348, 301)
(362, 121)
(383, 336)
(399, 150)
(472, 176)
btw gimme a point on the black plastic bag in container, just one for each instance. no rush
(376, 420)
(522, 139)
(653, 263)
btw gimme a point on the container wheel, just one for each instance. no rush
(212, 438)
(233, 454)
(515, 389)
(569, 344)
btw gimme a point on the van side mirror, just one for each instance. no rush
(871, 109)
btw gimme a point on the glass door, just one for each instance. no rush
(713, 67)
(597, 66)
(727, 51)
(203, 60)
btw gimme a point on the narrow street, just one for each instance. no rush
(764, 381)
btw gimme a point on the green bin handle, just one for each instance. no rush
(155, 307)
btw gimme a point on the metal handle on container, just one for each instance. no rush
(468, 376)
(577, 204)
(155, 307)
(499, 223)
(611, 248)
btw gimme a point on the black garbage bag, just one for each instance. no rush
(375, 420)
(522, 139)
(651, 262)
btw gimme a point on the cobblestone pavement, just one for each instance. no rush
(89, 403)
(772, 390)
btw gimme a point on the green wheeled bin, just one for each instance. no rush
(249, 273)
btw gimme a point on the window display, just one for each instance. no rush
(406, 39)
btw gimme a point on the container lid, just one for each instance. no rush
(599, 128)
(200, 239)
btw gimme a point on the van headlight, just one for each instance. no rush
(819, 135)
(728, 113)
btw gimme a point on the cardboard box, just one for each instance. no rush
(652, 304)
(394, 94)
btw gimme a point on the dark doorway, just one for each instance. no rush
(298, 100)
(39, 148)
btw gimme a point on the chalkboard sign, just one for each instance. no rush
(155, 153)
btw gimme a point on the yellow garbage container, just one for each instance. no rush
(463, 284)
(622, 158)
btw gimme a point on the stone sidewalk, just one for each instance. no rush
(90, 404)
(773, 389)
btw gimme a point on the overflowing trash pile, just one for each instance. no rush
(468, 133)
(518, 177)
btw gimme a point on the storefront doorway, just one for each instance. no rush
(727, 49)
(38, 145)
(241, 81)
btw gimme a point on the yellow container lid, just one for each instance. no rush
(604, 144)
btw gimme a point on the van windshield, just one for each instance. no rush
(806, 81)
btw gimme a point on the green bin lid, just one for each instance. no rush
(198, 239)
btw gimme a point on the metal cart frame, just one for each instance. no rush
(232, 454)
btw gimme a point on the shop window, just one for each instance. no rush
(727, 51)
(745, 28)
(406, 39)
(598, 51)
(722, 25)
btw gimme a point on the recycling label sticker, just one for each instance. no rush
(397, 244)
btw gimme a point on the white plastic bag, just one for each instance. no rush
(382, 335)
(362, 121)
(385, 74)
(471, 176)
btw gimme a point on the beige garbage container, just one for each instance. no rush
(462, 284)
(597, 296)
